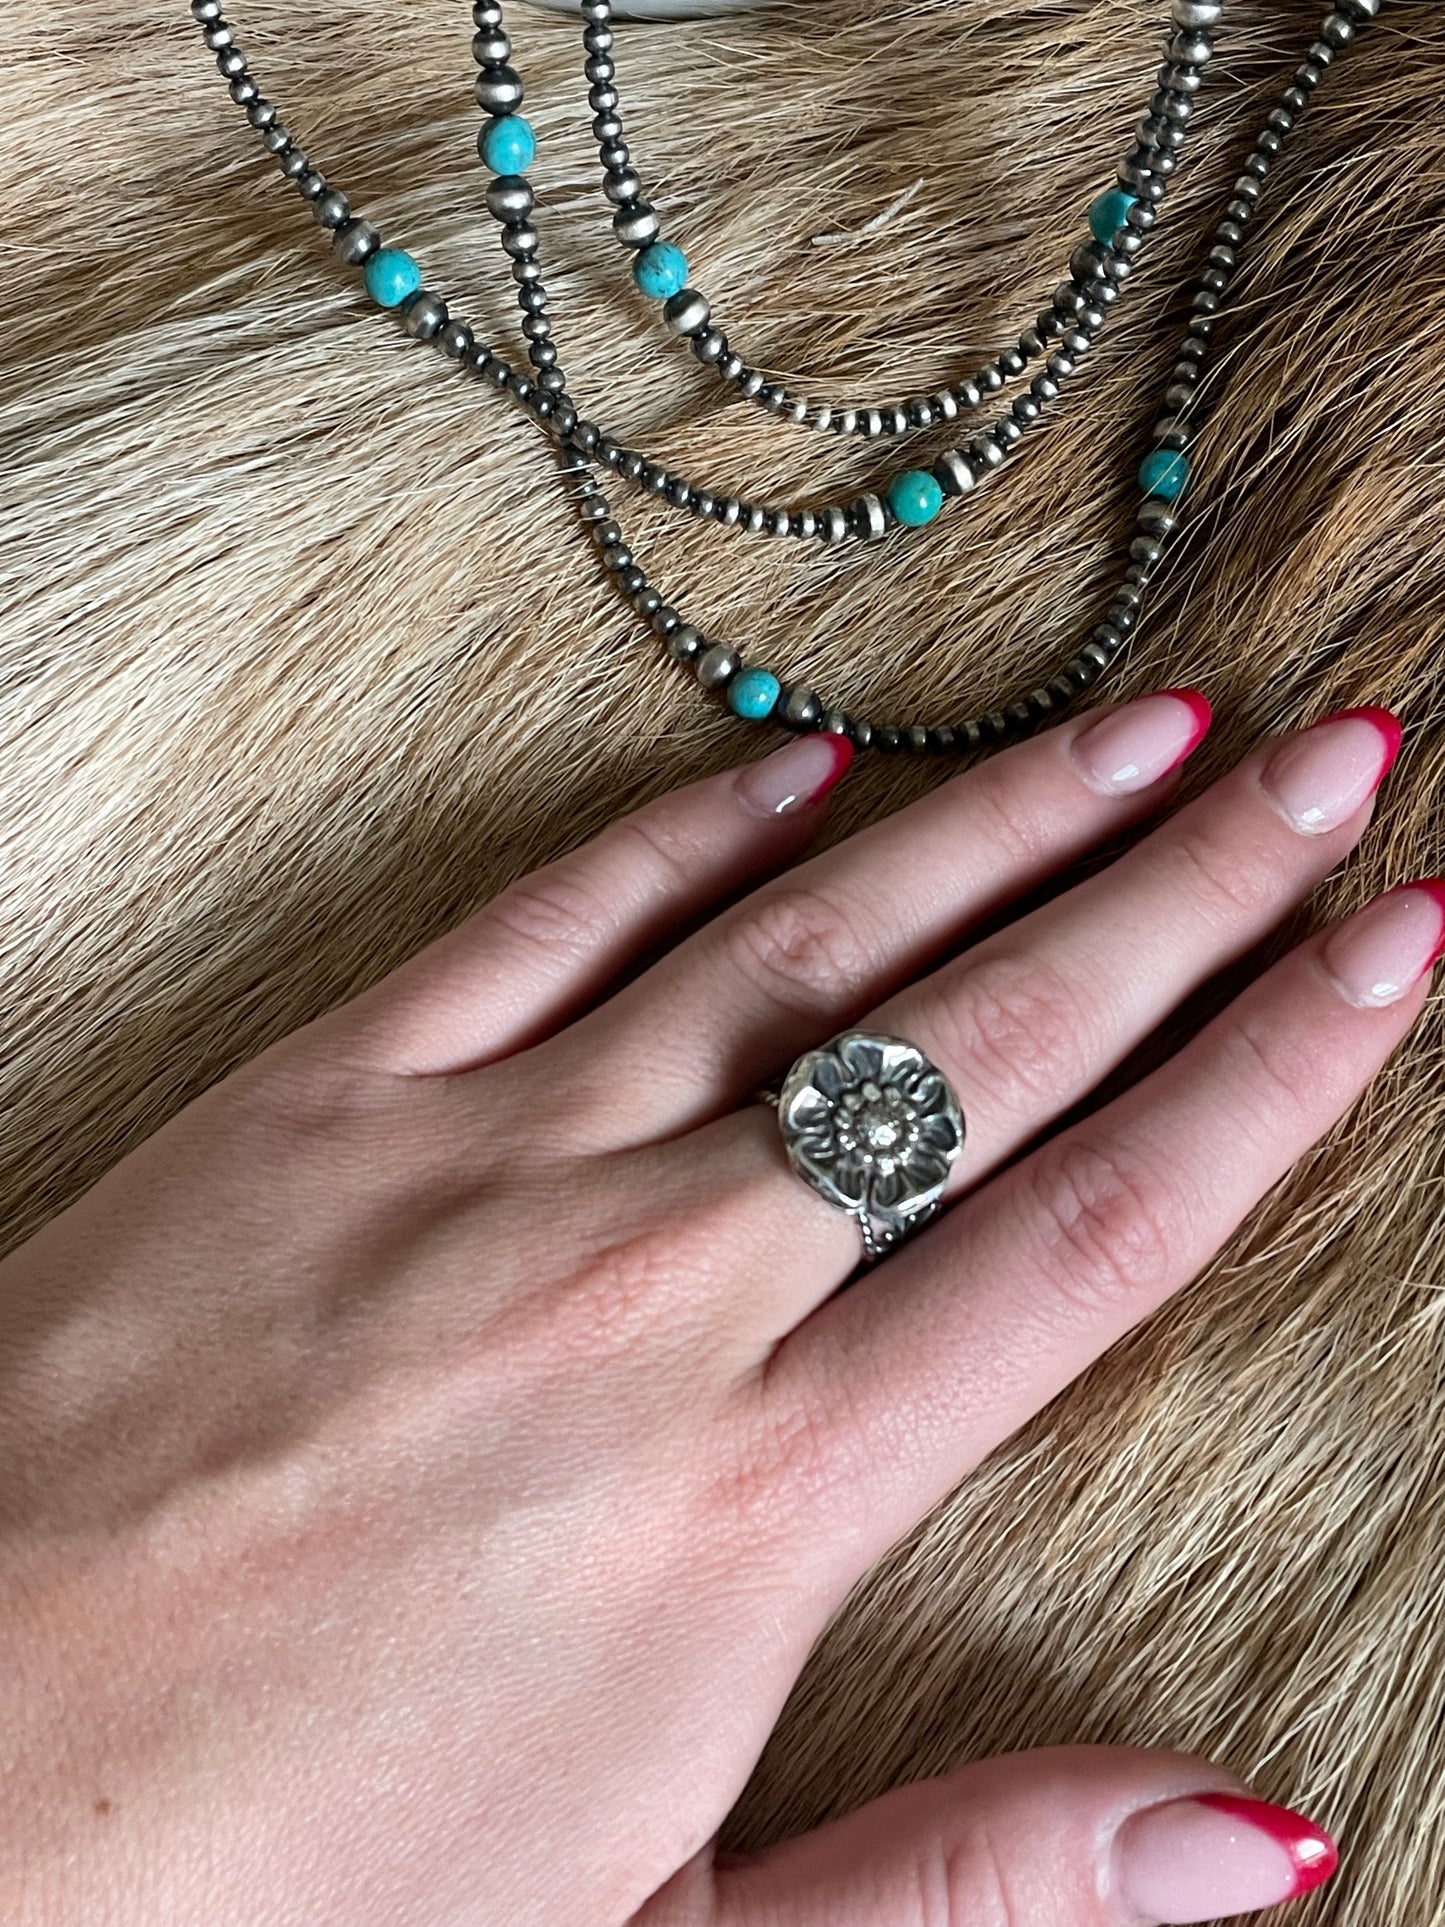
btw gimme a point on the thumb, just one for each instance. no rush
(1067, 1837)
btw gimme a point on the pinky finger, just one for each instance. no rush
(554, 940)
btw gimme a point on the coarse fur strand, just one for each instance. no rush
(303, 656)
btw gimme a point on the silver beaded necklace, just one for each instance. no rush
(1120, 221)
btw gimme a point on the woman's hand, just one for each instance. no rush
(426, 1463)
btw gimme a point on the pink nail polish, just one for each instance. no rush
(1385, 949)
(1320, 777)
(1133, 747)
(1218, 1854)
(797, 775)
(1312, 1853)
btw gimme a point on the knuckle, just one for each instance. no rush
(965, 1879)
(652, 843)
(1109, 1224)
(797, 947)
(1227, 878)
(1018, 1022)
(1273, 1083)
(558, 909)
(1002, 814)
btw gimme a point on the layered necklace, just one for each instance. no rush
(1052, 346)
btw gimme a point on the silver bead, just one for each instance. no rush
(218, 36)
(711, 345)
(1157, 517)
(636, 226)
(491, 47)
(424, 315)
(510, 198)
(521, 240)
(832, 524)
(802, 709)
(356, 242)
(870, 518)
(293, 164)
(206, 11)
(333, 209)
(686, 643)
(954, 472)
(1198, 13)
(687, 312)
(499, 90)
(311, 184)
(718, 665)
(623, 187)
(457, 340)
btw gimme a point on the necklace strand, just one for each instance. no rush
(1077, 312)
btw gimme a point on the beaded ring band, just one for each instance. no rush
(1120, 220)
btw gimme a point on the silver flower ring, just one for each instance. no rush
(874, 1128)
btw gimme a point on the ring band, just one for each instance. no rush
(874, 1128)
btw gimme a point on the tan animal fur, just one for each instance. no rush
(301, 657)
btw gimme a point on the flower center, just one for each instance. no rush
(878, 1124)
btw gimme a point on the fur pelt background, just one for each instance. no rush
(302, 657)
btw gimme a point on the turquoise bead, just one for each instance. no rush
(508, 144)
(391, 277)
(660, 270)
(1109, 213)
(753, 693)
(1165, 473)
(914, 497)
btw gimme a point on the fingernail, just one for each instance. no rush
(796, 775)
(1376, 955)
(1133, 747)
(1218, 1854)
(1320, 777)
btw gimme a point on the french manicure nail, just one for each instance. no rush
(1319, 778)
(1376, 955)
(796, 775)
(1217, 1854)
(1133, 747)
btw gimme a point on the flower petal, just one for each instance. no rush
(862, 1057)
